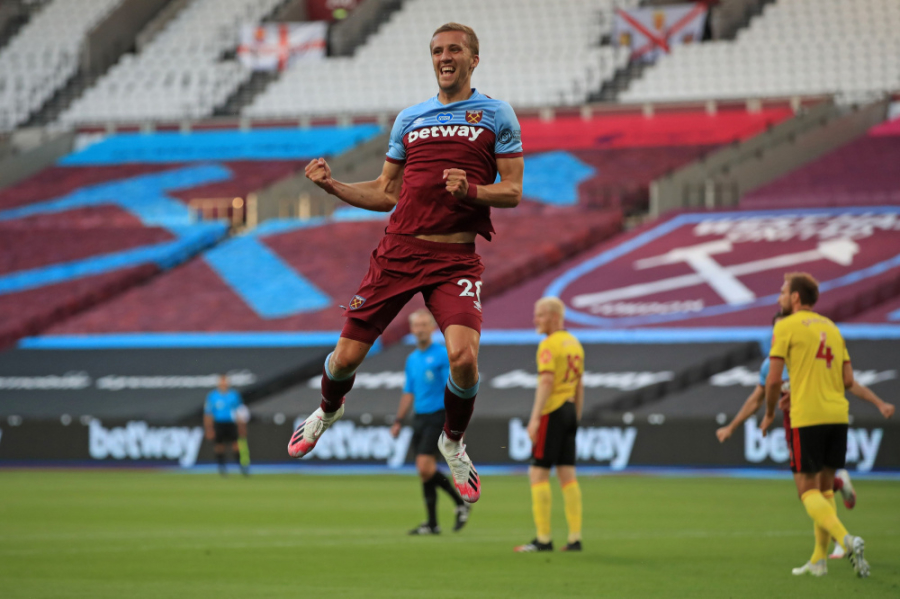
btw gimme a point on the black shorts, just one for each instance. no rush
(226, 432)
(814, 448)
(426, 432)
(555, 444)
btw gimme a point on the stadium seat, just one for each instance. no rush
(43, 56)
(179, 74)
(520, 46)
(795, 48)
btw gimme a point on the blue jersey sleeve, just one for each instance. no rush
(408, 383)
(396, 149)
(207, 405)
(764, 372)
(509, 132)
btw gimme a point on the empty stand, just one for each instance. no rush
(613, 158)
(180, 74)
(796, 47)
(861, 173)
(330, 259)
(44, 55)
(652, 276)
(531, 55)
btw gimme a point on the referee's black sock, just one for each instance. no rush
(430, 493)
(443, 482)
(220, 457)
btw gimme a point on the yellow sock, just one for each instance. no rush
(823, 514)
(820, 551)
(540, 506)
(572, 497)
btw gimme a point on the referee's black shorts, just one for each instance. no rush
(814, 448)
(226, 432)
(426, 432)
(555, 444)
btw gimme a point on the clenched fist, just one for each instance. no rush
(456, 182)
(319, 173)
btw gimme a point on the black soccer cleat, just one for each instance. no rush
(425, 529)
(574, 546)
(533, 546)
(462, 516)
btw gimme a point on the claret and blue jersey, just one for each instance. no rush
(427, 372)
(430, 137)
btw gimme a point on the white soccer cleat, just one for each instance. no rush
(307, 434)
(855, 549)
(820, 568)
(465, 477)
(848, 493)
(838, 552)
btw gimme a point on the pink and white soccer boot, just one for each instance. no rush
(308, 433)
(465, 477)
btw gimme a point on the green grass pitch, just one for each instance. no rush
(168, 535)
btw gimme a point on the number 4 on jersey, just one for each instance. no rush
(824, 352)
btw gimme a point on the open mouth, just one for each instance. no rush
(447, 70)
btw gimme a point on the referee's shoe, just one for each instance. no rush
(462, 516)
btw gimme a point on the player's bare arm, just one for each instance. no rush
(751, 405)
(866, 394)
(773, 392)
(380, 195)
(507, 193)
(541, 395)
(579, 399)
(406, 400)
(848, 375)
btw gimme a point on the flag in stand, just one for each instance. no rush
(651, 32)
(274, 46)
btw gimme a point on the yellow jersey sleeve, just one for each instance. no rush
(545, 358)
(781, 339)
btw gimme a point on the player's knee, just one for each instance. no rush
(344, 362)
(463, 362)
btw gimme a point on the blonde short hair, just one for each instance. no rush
(553, 304)
(471, 38)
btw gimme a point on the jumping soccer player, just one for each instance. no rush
(223, 424)
(819, 366)
(558, 403)
(427, 369)
(442, 163)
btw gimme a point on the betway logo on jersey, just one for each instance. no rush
(862, 445)
(692, 268)
(600, 444)
(470, 133)
(347, 441)
(138, 441)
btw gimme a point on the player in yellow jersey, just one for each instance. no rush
(819, 367)
(558, 403)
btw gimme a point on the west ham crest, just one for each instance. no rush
(473, 117)
(357, 302)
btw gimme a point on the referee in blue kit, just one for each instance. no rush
(427, 371)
